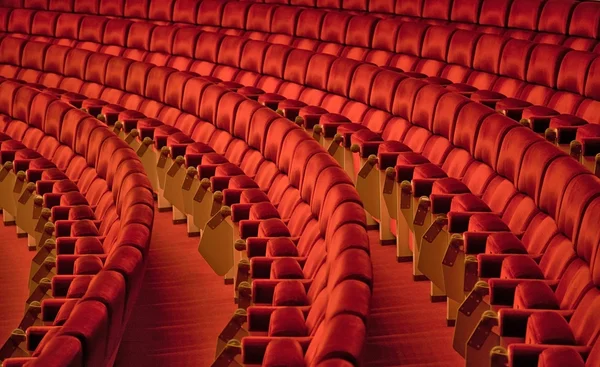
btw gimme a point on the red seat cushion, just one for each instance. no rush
(290, 293)
(438, 80)
(84, 228)
(538, 111)
(267, 98)
(487, 96)
(428, 170)
(548, 328)
(273, 228)
(253, 196)
(291, 104)
(588, 131)
(242, 182)
(198, 148)
(391, 146)
(72, 198)
(511, 104)
(87, 265)
(287, 321)
(64, 186)
(41, 163)
(535, 295)
(214, 158)
(462, 88)
(277, 247)
(88, 245)
(228, 169)
(504, 243)
(520, 267)
(263, 210)
(53, 174)
(145, 122)
(468, 203)
(286, 268)
(449, 186)
(250, 91)
(81, 212)
(560, 357)
(79, 286)
(487, 222)
(364, 135)
(284, 352)
(566, 121)
(411, 158)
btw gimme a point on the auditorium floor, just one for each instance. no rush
(405, 328)
(183, 306)
(15, 265)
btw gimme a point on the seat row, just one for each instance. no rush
(228, 151)
(239, 18)
(571, 23)
(91, 257)
(235, 58)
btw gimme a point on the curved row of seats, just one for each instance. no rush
(571, 23)
(101, 230)
(240, 18)
(499, 68)
(254, 138)
(235, 58)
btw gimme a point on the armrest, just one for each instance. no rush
(441, 203)
(52, 199)
(475, 242)
(590, 146)
(51, 307)
(193, 159)
(329, 129)
(65, 245)
(263, 289)
(160, 141)
(34, 175)
(502, 291)
(490, 265)
(43, 187)
(21, 165)
(239, 212)
(63, 227)
(7, 156)
(260, 267)
(146, 132)
(254, 348)
(367, 148)
(249, 228)
(566, 134)
(178, 149)
(458, 222)
(61, 284)
(65, 264)
(525, 355)
(259, 317)
(387, 160)
(219, 183)
(513, 322)
(35, 334)
(404, 172)
(423, 187)
(206, 170)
